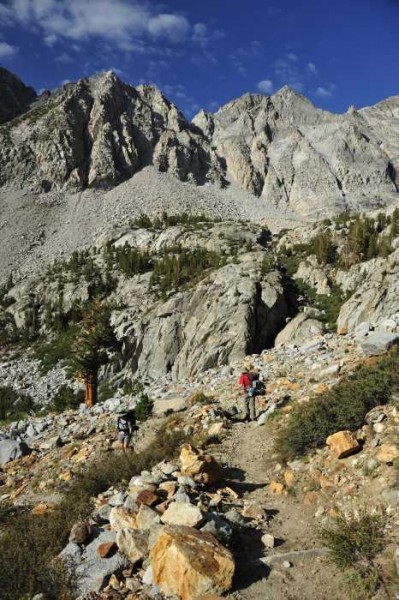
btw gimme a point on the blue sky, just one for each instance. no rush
(203, 53)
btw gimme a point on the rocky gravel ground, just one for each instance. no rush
(234, 490)
(36, 229)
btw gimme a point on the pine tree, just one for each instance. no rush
(91, 347)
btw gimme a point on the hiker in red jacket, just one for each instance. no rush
(245, 382)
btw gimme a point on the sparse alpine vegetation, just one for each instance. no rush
(344, 407)
(355, 540)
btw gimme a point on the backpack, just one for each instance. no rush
(259, 387)
(127, 422)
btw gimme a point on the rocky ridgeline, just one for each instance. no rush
(100, 131)
(15, 96)
(292, 154)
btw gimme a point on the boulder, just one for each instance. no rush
(51, 443)
(91, 570)
(343, 444)
(299, 330)
(268, 540)
(106, 549)
(132, 544)
(121, 518)
(387, 453)
(146, 518)
(182, 513)
(188, 563)
(147, 497)
(376, 344)
(80, 532)
(203, 468)
(12, 450)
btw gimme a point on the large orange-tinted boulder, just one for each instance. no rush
(189, 563)
(203, 468)
(343, 443)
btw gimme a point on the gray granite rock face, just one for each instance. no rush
(376, 297)
(294, 155)
(11, 450)
(99, 132)
(379, 343)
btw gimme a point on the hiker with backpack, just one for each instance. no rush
(126, 425)
(245, 382)
(252, 386)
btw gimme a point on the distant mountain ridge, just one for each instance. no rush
(100, 131)
(15, 96)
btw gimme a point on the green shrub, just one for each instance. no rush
(268, 264)
(4, 289)
(9, 333)
(358, 585)
(343, 407)
(106, 390)
(13, 405)
(179, 266)
(164, 220)
(127, 260)
(354, 541)
(329, 305)
(67, 398)
(133, 387)
(199, 397)
(144, 407)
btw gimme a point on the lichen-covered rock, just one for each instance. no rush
(133, 544)
(121, 518)
(387, 453)
(190, 563)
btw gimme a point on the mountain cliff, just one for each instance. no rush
(15, 96)
(100, 131)
(296, 156)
